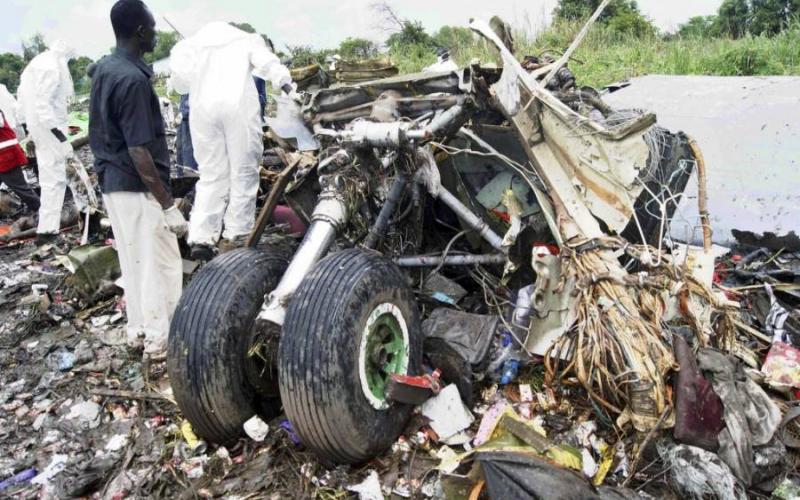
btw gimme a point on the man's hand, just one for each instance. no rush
(175, 221)
(143, 162)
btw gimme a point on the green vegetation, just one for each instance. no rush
(745, 37)
(164, 43)
(736, 42)
(607, 56)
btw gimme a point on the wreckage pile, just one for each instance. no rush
(568, 348)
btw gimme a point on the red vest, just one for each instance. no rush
(11, 154)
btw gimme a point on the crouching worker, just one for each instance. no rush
(126, 133)
(12, 157)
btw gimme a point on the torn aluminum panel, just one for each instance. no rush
(593, 169)
(748, 129)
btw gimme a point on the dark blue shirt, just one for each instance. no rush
(124, 112)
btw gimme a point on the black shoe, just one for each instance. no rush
(202, 253)
(43, 239)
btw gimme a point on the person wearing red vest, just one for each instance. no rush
(12, 157)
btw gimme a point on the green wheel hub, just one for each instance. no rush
(384, 350)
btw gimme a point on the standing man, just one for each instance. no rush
(126, 133)
(215, 67)
(44, 92)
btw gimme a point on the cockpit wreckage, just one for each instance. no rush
(545, 208)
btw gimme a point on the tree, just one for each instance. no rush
(770, 17)
(11, 65)
(305, 55)
(403, 32)
(166, 40)
(77, 68)
(453, 37)
(412, 33)
(738, 18)
(621, 15)
(699, 27)
(33, 46)
(734, 18)
(357, 49)
(246, 27)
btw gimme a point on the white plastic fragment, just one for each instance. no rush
(56, 465)
(86, 413)
(447, 413)
(256, 428)
(590, 466)
(369, 488)
(117, 442)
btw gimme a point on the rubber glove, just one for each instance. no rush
(175, 221)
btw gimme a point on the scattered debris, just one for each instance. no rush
(531, 325)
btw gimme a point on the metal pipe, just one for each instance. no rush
(329, 214)
(444, 119)
(472, 220)
(450, 260)
(388, 209)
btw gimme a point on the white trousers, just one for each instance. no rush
(152, 270)
(52, 161)
(228, 147)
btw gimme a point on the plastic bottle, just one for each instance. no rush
(505, 363)
(510, 369)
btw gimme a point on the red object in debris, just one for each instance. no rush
(540, 249)
(413, 389)
(285, 215)
(11, 154)
(422, 381)
(698, 409)
(736, 257)
(502, 215)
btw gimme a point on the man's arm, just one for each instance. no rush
(146, 168)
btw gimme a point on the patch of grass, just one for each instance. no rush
(607, 56)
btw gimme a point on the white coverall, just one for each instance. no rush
(216, 67)
(44, 92)
(152, 272)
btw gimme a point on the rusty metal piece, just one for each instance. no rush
(278, 187)
(702, 194)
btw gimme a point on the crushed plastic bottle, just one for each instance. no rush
(509, 372)
(505, 362)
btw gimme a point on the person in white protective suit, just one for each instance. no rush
(216, 67)
(443, 63)
(44, 92)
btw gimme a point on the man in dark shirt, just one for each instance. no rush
(126, 133)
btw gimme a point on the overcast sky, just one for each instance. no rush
(320, 23)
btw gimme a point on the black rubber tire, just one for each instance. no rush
(318, 356)
(209, 337)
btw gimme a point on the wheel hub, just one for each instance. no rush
(384, 350)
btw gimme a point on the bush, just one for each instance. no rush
(746, 59)
(357, 49)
